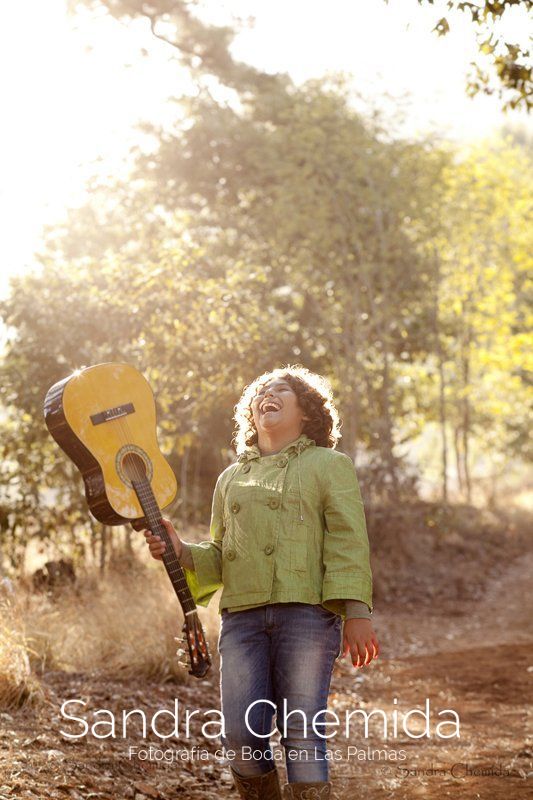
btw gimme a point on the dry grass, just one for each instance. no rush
(18, 685)
(122, 626)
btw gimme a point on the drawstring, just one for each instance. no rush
(300, 485)
(253, 452)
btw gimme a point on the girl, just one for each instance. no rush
(289, 548)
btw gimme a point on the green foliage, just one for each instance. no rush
(503, 67)
(509, 61)
(283, 227)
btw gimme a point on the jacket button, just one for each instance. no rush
(246, 468)
(230, 555)
(283, 462)
(273, 502)
(235, 507)
(269, 549)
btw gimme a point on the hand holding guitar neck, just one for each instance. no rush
(157, 546)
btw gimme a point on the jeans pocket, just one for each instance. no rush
(326, 613)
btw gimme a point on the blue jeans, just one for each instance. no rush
(281, 655)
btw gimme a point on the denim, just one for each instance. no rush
(278, 651)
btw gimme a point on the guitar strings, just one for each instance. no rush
(121, 431)
(123, 426)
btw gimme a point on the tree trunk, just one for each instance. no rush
(387, 442)
(128, 548)
(196, 481)
(93, 539)
(103, 547)
(466, 417)
(184, 486)
(458, 463)
(442, 384)
(442, 422)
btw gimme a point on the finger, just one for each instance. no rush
(376, 646)
(358, 652)
(356, 660)
(366, 651)
(156, 550)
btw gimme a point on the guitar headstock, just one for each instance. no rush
(199, 659)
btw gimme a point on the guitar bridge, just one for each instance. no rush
(112, 413)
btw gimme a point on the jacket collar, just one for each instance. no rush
(296, 446)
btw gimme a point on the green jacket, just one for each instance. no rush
(287, 527)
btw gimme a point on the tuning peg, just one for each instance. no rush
(180, 652)
(183, 664)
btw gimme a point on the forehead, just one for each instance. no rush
(278, 382)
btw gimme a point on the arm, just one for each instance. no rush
(355, 609)
(347, 581)
(186, 557)
(346, 553)
(202, 562)
(347, 562)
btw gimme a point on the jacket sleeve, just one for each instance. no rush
(346, 554)
(206, 577)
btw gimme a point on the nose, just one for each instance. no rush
(270, 393)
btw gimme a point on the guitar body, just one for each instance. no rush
(100, 446)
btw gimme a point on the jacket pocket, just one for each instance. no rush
(299, 547)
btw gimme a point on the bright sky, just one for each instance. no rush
(73, 88)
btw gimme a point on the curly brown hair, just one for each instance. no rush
(315, 398)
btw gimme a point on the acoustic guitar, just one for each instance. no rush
(104, 418)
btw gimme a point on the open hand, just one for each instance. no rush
(360, 641)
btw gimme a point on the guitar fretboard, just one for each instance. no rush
(174, 569)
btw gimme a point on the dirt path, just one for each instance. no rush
(477, 660)
(503, 615)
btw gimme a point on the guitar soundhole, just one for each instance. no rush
(133, 464)
(134, 467)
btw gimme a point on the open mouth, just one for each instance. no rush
(269, 407)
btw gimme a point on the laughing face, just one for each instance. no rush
(275, 409)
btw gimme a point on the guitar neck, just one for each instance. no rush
(174, 569)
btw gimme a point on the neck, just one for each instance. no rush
(271, 442)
